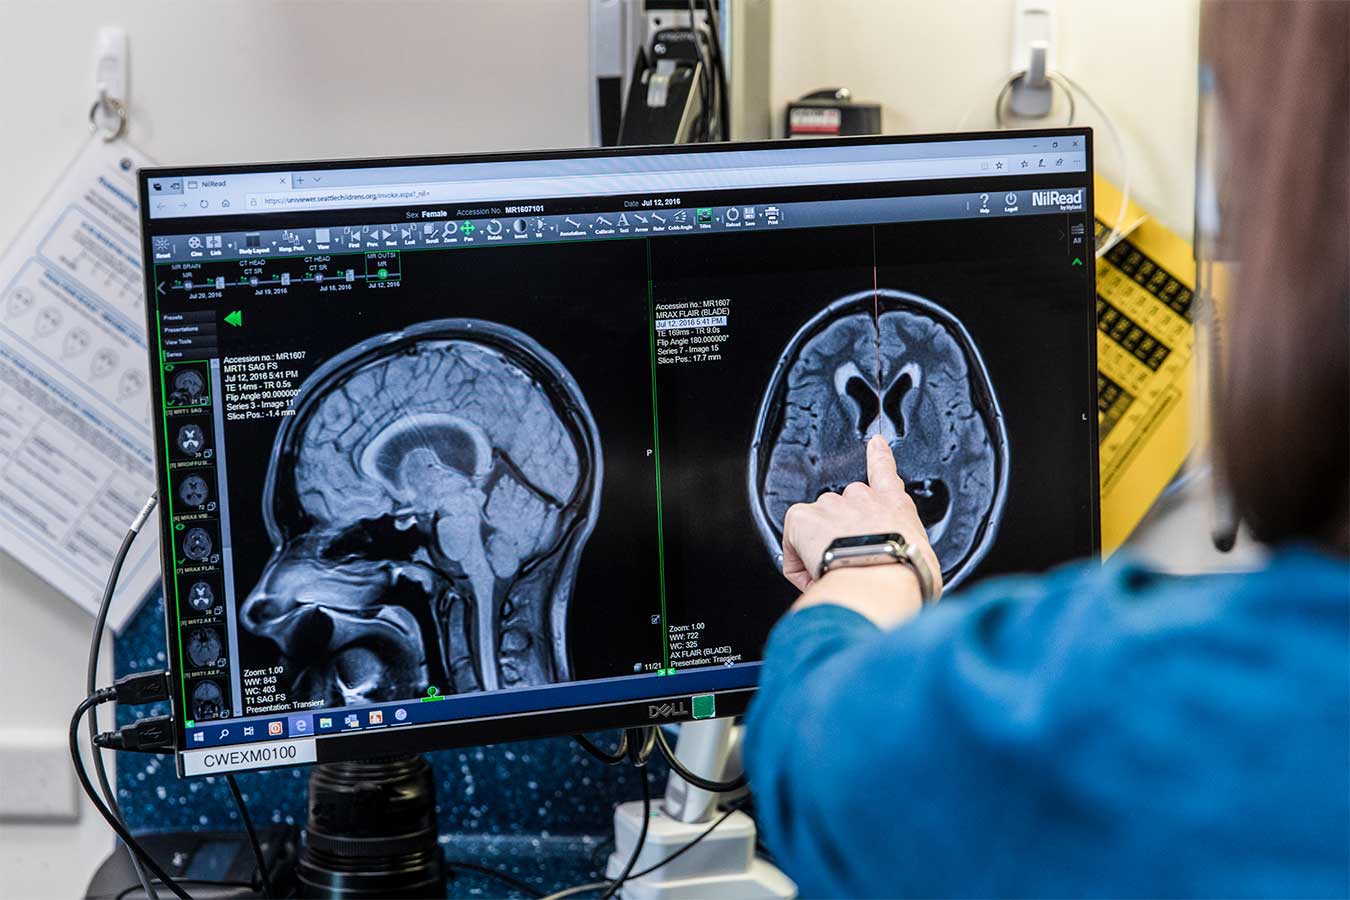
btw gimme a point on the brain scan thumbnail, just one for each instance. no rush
(427, 503)
(207, 701)
(194, 491)
(200, 596)
(191, 439)
(187, 387)
(204, 647)
(891, 363)
(197, 544)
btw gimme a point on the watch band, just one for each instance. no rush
(927, 582)
(878, 549)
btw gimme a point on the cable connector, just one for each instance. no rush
(141, 517)
(146, 735)
(142, 687)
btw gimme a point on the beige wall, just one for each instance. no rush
(929, 63)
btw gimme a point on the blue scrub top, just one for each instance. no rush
(1099, 731)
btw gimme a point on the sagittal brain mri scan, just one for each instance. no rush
(427, 505)
(188, 387)
(890, 363)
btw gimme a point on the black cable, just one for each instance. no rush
(610, 759)
(127, 837)
(653, 737)
(91, 676)
(672, 857)
(642, 836)
(510, 880)
(126, 892)
(698, 781)
(719, 61)
(153, 734)
(264, 876)
(641, 743)
(705, 76)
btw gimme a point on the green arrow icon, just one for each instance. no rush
(1076, 261)
(235, 318)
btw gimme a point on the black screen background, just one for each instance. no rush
(1007, 280)
(587, 304)
(1011, 284)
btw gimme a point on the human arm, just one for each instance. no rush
(886, 762)
(859, 745)
(886, 594)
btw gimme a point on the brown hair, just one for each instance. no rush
(1282, 415)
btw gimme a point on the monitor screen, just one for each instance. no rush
(479, 448)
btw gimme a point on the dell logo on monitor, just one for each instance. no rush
(1057, 198)
(666, 710)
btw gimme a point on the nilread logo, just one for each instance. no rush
(1057, 198)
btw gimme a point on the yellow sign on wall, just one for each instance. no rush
(1145, 295)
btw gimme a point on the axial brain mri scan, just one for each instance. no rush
(427, 504)
(896, 364)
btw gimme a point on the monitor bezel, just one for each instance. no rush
(543, 723)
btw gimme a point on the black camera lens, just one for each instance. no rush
(372, 831)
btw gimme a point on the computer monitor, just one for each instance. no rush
(466, 449)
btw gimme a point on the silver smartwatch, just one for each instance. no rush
(878, 549)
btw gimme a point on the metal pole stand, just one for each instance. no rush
(721, 865)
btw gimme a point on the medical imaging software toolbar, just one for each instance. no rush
(456, 439)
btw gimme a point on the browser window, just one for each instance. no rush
(511, 439)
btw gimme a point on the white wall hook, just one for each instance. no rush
(112, 82)
(1033, 57)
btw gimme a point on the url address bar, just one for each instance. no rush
(635, 182)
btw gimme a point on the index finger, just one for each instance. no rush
(881, 472)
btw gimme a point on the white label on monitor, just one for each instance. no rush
(250, 756)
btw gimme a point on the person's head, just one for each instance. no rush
(1282, 398)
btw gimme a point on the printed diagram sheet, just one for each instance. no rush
(75, 439)
(1144, 379)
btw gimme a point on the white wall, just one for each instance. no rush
(264, 80)
(258, 80)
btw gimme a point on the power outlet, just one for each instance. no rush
(37, 783)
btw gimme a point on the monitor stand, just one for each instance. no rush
(371, 831)
(723, 864)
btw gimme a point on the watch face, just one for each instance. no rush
(866, 540)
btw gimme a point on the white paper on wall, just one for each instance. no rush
(76, 463)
